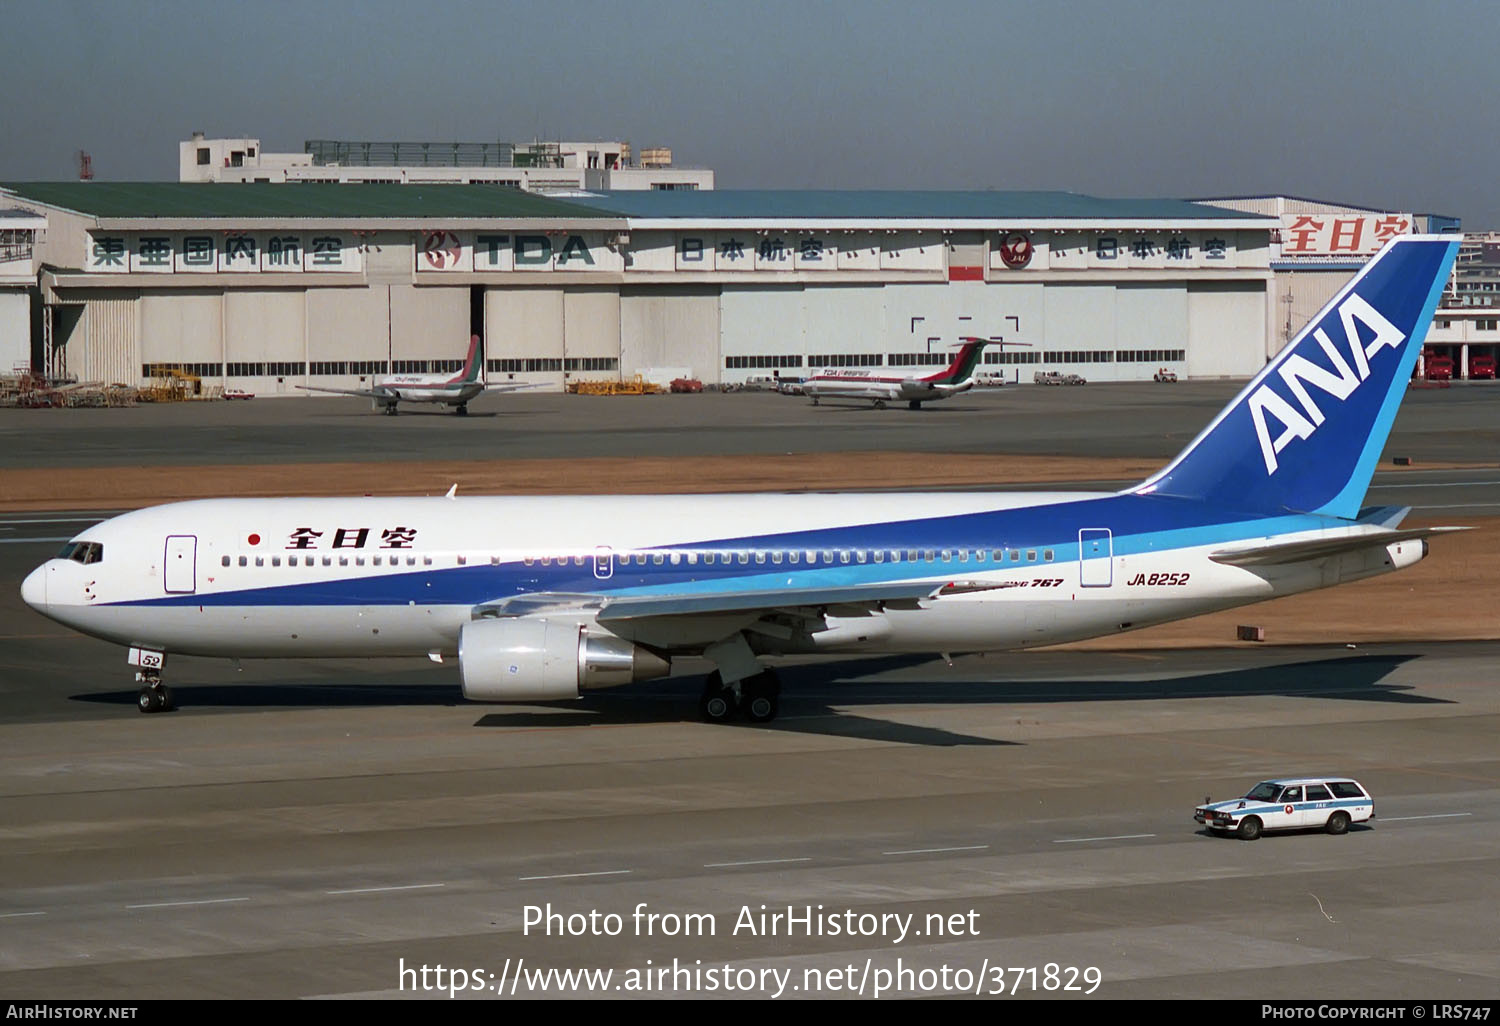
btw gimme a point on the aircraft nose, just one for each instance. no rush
(34, 589)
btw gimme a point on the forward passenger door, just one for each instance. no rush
(180, 564)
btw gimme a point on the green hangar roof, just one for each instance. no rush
(161, 205)
(195, 201)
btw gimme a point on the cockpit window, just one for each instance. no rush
(83, 552)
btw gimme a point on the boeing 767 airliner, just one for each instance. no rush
(541, 598)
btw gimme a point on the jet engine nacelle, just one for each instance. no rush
(534, 659)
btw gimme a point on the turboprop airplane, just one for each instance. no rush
(455, 390)
(540, 598)
(847, 383)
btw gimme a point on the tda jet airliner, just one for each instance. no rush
(541, 598)
(914, 390)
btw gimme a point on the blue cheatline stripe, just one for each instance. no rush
(1230, 805)
(1140, 524)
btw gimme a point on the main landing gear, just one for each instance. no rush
(389, 409)
(757, 698)
(461, 410)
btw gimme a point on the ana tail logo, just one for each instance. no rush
(1305, 434)
(1298, 372)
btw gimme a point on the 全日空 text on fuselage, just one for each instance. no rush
(541, 597)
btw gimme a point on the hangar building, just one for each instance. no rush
(270, 286)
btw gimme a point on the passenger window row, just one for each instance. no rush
(393, 561)
(92, 552)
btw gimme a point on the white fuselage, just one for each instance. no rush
(428, 388)
(859, 385)
(376, 576)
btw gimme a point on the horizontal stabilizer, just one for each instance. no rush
(1284, 553)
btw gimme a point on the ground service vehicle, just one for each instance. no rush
(1301, 803)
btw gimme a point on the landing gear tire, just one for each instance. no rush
(880, 404)
(390, 411)
(760, 697)
(461, 410)
(154, 698)
(815, 400)
(718, 703)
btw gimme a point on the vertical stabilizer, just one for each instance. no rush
(1304, 435)
(963, 366)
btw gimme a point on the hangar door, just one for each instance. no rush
(1226, 328)
(672, 326)
(265, 337)
(428, 324)
(111, 351)
(591, 334)
(347, 329)
(523, 334)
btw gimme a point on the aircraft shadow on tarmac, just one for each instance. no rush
(826, 698)
(858, 405)
(412, 412)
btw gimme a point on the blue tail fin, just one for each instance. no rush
(1304, 435)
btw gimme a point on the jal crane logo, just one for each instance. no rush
(1298, 372)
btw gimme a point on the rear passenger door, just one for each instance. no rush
(1319, 806)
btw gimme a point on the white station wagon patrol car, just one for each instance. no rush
(1320, 803)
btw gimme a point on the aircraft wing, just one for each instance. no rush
(512, 386)
(1279, 553)
(619, 608)
(368, 393)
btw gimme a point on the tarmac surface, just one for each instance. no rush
(1137, 420)
(309, 828)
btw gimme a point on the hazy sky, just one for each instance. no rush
(1378, 102)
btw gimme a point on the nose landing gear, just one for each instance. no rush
(154, 696)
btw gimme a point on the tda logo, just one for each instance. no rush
(1297, 372)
